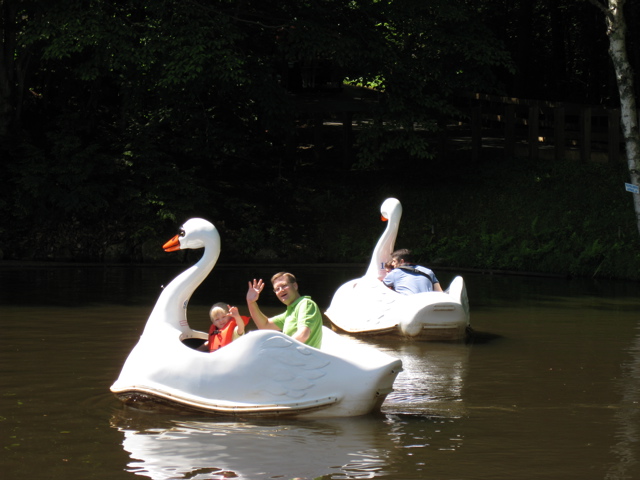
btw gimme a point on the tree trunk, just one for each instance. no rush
(617, 33)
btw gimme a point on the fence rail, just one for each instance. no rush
(556, 129)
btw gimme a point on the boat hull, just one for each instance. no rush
(427, 334)
(264, 373)
(159, 401)
(366, 307)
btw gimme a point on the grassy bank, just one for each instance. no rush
(545, 217)
(561, 218)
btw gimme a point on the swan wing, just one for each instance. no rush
(364, 305)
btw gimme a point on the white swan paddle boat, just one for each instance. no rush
(366, 306)
(263, 373)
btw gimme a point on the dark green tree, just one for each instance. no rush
(120, 117)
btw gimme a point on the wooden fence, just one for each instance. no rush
(535, 128)
(519, 127)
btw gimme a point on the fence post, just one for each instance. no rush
(559, 132)
(347, 139)
(585, 134)
(476, 130)
(534, 129)
(442, 136)
(509, 131)
(614, 135)
(318, 140)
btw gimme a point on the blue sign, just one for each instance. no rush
(631, 188)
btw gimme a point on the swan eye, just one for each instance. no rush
(181, 233)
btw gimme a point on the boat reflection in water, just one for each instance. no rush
(199, 449)
(432, 381)
(368, 446)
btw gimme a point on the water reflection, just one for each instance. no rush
(353, 448)
(432, 379)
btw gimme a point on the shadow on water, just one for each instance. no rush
(476, 337)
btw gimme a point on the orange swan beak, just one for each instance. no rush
(172, 245)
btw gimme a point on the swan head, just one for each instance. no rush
(193, 234)
(391, 209)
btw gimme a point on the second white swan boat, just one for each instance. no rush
(366, 306)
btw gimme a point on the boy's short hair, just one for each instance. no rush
(288, 276)
(219, 307)
(403, 254)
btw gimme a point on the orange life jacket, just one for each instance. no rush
(220, 338)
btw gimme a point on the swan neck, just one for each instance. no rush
(171, 307)
(384, 248)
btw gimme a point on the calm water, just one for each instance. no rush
(557, 396)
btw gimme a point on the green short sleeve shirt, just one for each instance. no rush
(304, 312)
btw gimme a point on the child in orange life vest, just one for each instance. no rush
(226, 326)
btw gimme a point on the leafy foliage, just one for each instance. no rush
(129, 117)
